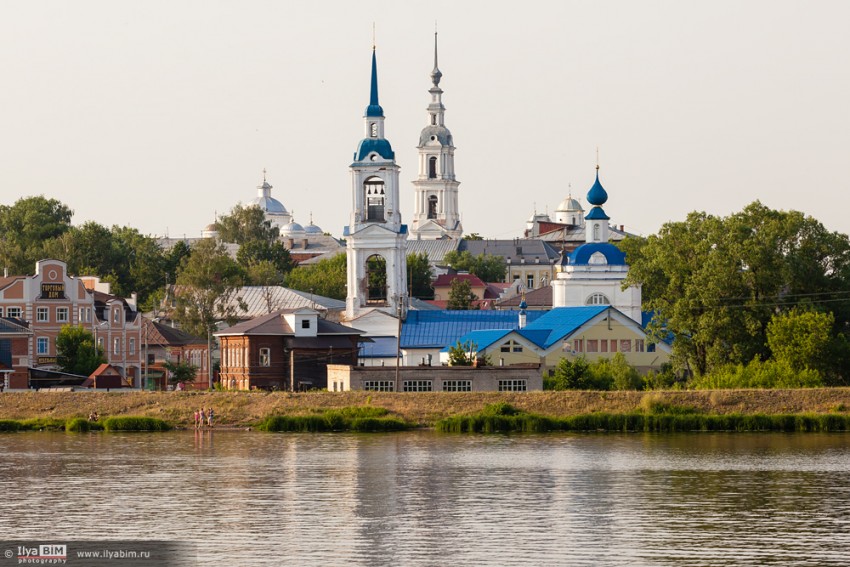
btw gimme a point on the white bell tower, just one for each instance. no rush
(376, 239)
(436, 213)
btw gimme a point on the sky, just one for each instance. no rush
(161, 114)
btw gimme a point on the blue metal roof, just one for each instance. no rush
(613, 255)
(562, 322)
(437, 329)
(597, 194)
(374, 109)
(381, 146)
(596, 213)
(481, 339)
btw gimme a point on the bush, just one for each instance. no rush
(361, 419)
(758, 374)
(78, 425)
(131, 423)
(9, 425)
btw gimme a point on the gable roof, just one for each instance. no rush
(257, 299)
(275, 324)
(435, 249)
(436, 329)
(540, 297)
(560, 323)
(531, 250)
(445, 280)
(157, 333)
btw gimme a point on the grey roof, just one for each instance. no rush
(259, 298)
(531, 250)
(269, 205)
(435, 249)
(440, 133)
(275, 324)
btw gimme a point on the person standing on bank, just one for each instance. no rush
(210, 417)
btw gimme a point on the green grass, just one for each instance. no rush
(134, 423)
(360, 419)
(657, 421)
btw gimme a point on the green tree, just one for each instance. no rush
(419, 269)
(801, 339)
(487, 267)
(473, 236)
(461, 297)
(246, 224)
(76, 350)
(715, 283)
(180, 372)
(570, 375)
(206, 289)
(26, 226)
(255, 251)
(463, 354)
(326, 277)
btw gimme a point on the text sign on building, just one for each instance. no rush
(47, 360)
(53, 291)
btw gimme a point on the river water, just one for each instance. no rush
(422, 498)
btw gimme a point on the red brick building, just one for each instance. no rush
(51, 299)
(14, 340)
(162, 344)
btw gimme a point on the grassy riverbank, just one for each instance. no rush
(243, 409)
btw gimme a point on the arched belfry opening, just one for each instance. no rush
(432, 207)
(432, 167)
(376, 280)
(376, 196)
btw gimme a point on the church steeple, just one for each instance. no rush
(436, 213)
(376, 239)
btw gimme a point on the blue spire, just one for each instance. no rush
(597, 194)
(374, 109)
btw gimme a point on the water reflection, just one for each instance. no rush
(428, 499)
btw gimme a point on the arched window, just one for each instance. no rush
(432, 207)
(598, 299)
(433, 120)
(373, 130)
(376, 280)
(432, 167)
(596, 233)
(375, 199)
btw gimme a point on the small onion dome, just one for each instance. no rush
(292, 230)
(597, 194)
(313, 229)
(522, 304)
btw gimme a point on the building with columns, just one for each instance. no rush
(376, 239)
(593, 273)
(436, 213)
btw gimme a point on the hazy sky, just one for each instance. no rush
(158, 114)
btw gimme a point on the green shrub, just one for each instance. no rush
(132, 423)
(9, 425)
(362, 419)
(78, 425)
(43, 424)
(758, 374)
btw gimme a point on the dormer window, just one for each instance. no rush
(305, 323)
(373, 128)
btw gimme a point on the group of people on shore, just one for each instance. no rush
(204, 416)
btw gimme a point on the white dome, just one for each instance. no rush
(292, 230)
(569, 205)
(313, 229)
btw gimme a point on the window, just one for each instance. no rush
(613, 345)
(43, 345)
(305, 323)
(375, 195)
(596, 233)
(512, 386)
(373, 129)
(132, 345)
(511, 346)
(13, 312)
(417, 386)
(116, 345)
(1, 311)
(379, 385)
(603, 346)
(61, 314)
(151, 359)
(578, 345)
(432, 168)
(265, 356)
(530, 281)
(100, 343)
(598, 299)
(433, 120)
(650, 347)
(115, 316)
(625, 345)
(638, 345)
(432, 207)
(592, 345)
(457, 385)
(41, 314)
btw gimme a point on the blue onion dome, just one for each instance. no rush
(522, 304)
(597, 194)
